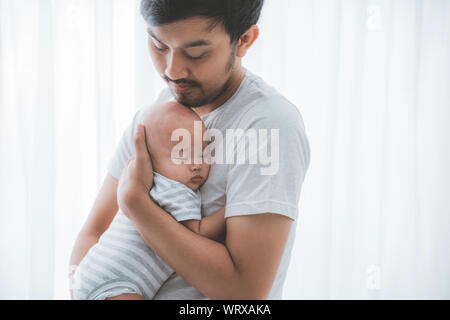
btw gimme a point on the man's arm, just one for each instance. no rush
(100, 217)
(212, 227)
(103, 211)
(244, 268)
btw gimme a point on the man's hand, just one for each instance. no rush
(136, 180)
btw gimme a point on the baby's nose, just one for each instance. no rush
(195, 167)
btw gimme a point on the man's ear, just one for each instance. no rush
(247, 40)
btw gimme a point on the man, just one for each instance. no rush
(197, 47)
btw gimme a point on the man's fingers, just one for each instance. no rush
(140, 144)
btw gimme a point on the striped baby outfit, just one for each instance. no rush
(121, 262)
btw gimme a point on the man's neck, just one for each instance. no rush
(223, 98)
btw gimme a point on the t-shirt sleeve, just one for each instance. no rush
(125, 149)
(273, 184)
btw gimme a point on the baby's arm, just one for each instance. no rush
(212, 227)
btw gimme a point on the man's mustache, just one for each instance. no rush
(183, 82)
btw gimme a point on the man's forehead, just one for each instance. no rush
(188, 33)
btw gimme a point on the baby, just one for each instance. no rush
(121, 262)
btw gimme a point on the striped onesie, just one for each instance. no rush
(121, 262)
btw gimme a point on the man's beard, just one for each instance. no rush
(201, 100)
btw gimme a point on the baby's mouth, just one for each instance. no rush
(197, 179)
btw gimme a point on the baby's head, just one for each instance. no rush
(161, 120)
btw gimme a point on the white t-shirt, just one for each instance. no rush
(241, 188)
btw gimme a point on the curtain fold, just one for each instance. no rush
(370, 77)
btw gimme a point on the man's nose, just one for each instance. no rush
(176, 69)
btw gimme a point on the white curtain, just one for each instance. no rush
(371, 78)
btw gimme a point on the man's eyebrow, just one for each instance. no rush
(198, 43)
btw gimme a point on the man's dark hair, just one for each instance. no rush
(237, 16)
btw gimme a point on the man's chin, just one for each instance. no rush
(190, 103)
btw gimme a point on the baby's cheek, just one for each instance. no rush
(206, 170)
(183, 172)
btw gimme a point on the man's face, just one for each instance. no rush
(189, 54)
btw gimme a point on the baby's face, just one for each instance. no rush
(168, 158)
(180, 165)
